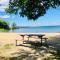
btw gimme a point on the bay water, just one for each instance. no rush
(37, 29)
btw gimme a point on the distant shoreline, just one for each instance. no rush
(37, 26)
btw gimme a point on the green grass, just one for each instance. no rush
(8, 46)
(5, 47)
(3, 30)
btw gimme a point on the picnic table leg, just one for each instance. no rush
(16, 42)
(23, 39)
(41, 41)
(28, 38)
(46, 41)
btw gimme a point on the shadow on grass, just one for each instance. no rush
(33, 44)
(54, 43)
(39, 52)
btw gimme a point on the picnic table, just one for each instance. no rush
(40, 36)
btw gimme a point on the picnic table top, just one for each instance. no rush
(39, 35)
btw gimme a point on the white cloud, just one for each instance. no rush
(3, 5)
(5, 16)
(4, 2)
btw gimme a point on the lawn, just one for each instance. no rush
(3, 30)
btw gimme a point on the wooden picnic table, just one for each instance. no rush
(40, 36)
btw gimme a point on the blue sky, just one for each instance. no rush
(52, 17)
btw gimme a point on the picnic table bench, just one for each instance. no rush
(40, 36)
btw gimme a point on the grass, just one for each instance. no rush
(5, 47)
(25, 55)
(3, 30)
(57, 55)
(8, 46)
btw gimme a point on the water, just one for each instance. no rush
(38, 29)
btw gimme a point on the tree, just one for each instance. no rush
(4, 24)
(14, 26)
(31, 8)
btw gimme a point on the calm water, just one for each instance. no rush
(38, 29)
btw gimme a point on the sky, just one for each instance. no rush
(52, 17)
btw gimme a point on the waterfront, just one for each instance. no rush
(37, 29)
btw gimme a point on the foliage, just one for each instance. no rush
(4, 24)
(13, 26)
(31, 8)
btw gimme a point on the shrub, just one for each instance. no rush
(14, 26)
(4, 24)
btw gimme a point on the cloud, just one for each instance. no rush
(5, 16)
(3, 5)
(4, 2)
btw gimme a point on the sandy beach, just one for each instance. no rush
(10, 38)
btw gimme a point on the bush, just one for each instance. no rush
(4, 24)
(14, 26)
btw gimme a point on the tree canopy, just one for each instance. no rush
(32, 9)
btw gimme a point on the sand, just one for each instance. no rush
(10, 38)
(7, 38)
